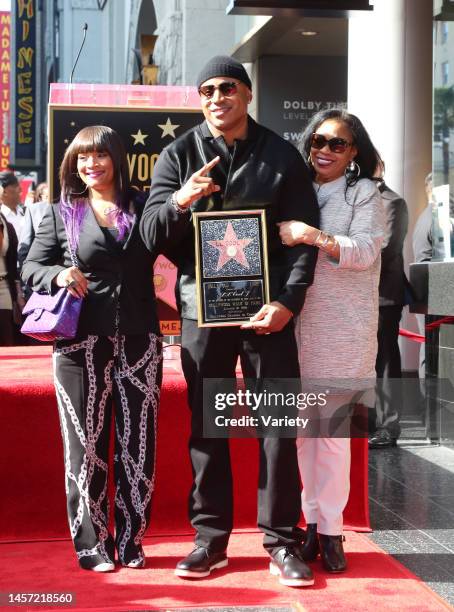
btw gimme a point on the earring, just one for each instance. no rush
(79, 192)
(353, 169)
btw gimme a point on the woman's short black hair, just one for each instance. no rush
(367, 156)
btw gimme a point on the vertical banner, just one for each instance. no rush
(5, 84)
(25, 102)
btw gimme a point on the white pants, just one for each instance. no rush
(324, 465)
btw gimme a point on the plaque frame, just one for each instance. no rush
(258, 278)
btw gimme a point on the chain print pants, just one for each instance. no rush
(96, 377)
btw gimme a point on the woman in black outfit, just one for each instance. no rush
(116, 356)
(9, 282)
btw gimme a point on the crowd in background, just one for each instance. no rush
(18, 224)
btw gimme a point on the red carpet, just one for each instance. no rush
(374, 580)
(31, 465)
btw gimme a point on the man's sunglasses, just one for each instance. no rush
(336, 145)
(226, 88)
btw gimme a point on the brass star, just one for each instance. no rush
(168, 128)
(139, 138)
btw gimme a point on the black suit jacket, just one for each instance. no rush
(11, 258)
(118, 276)
(393, 282)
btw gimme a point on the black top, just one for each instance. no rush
(118, 274)
(264, 172)
(11, 257)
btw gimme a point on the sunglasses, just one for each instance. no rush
(226, 88)
(336, 145)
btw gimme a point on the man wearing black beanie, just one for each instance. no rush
(229, 163)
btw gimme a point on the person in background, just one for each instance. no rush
(34, 213)
(423, 250)
(337, 327)
(10, 195)
(116, 354)
(10, 294)
(393, 291)
(228, 163)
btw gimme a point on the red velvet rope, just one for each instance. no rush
(418, 337)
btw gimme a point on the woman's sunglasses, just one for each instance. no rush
(226, 88)
(336, 145)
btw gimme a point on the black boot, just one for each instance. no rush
(332, 553)
(309, 549)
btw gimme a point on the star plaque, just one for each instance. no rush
(231, 266)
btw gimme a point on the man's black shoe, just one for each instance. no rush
(382, 439)
(200, 562)
(292, 570)
(332, 553)
(309, 549)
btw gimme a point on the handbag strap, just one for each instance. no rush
(72, 251)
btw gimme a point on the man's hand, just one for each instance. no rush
(270, 318)
(198, 186)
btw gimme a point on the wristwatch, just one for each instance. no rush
(176, 206)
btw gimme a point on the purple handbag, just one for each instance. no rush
(52, 317)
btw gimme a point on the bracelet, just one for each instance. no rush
(174, 203)
(317, 238)
(327, 244)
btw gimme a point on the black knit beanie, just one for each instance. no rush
(223, 66)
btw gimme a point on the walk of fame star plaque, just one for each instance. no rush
(231, 266)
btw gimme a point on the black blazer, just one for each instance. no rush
(11, 258)
(117, 275)
(394, 286)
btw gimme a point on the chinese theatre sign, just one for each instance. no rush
(5, 83)
(25, 103)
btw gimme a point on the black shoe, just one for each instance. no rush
(382, 439)
(138, 562)
(292, 570)
(200, 562)
(309, 549)
(332, 553)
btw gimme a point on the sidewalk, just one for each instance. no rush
(411, 495)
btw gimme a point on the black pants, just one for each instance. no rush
(91, 374)
(213, 353)
(389, 396)
(6, 327)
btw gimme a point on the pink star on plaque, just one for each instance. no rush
(231, 247)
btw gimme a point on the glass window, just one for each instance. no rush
(445, 73)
